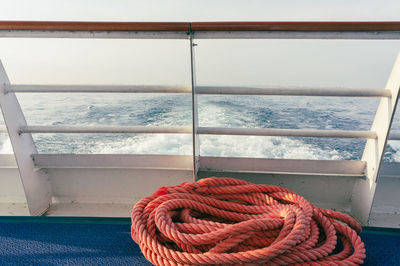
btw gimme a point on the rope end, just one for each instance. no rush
(161, 191)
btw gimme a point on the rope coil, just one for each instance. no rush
(226, 221)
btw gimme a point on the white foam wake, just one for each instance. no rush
(395, 145)
(6, 147)
(226, 146)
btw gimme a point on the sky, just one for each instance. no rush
(190, 10)
(332, 63)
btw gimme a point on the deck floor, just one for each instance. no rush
(106, 241)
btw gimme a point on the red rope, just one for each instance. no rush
(229, 221)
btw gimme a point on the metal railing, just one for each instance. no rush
(191, 31)
(96, 89)
(307, 133)
(326, 92)
(199, 90)
(107, 129)
(38, 189)
(201, 30)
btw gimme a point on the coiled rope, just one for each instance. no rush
(225, 221)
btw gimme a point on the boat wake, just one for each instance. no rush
(214, 111)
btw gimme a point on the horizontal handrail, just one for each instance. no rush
(390, 169)
(107, 129)
(205, 130)
(309, 133)
(202, 30)
(203, 26)
(282, 166)
(214, 164)
(297, 26)
(97, 88)
(201, 130)
(132, 161)
(94, 26)
(340, 92)
(394, 135)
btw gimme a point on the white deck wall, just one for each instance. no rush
(112, 192)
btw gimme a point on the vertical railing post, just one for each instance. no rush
(35, 182)
(364, 189)
(195, 119)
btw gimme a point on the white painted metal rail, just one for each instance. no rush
(116, 161)
(395, 135)
(333, 92)
(287, 166)
(107, 129)
(308, 133)
(97, 88)
(336, 92)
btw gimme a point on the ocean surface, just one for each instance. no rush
(287, 112)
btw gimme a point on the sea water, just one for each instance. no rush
(287, 112)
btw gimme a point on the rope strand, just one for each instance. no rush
(226, 221)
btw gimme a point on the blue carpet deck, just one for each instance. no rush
(106, 241)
